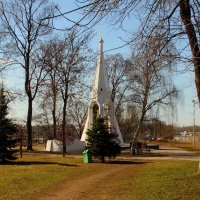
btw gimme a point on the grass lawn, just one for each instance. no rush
(36, 174)
(163, 180)
(32, 174)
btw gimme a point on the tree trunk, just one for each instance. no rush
(102, 159)
(139, 126)
(29, 125)
(64, 128)
(54, 119)
(132, 146)
(54, 125)
(30, 102)
(185, 13)
(144, 104)
(54, 91)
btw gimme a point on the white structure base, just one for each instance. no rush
(56, 146)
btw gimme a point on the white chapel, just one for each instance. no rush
(101, 103)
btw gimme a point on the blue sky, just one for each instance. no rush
(111, 36)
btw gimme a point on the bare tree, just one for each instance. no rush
(64, 59)
(77, 113)
(118, 69)
(150, 78)
(43, 116)
(53, 57)
(25, 27)
(129, 121)
(70, 71)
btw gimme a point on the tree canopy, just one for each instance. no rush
(101, 142)
(7, 131)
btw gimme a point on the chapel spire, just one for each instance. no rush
(101, 87)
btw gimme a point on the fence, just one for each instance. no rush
(188, 138)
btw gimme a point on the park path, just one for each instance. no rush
(171, 153)
(81, 188)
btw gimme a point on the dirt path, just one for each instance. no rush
(80, 188)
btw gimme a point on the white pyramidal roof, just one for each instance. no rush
(101, 84)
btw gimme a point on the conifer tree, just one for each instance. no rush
(101, 142)
(7, 130)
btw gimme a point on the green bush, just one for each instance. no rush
(7, 131)
(101, 142)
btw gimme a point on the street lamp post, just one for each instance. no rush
(194, 102)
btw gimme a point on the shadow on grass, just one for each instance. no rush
(151, 155)
(36, 152)
(37, 163)
(144, 155)
(129, 162)
(168, 149)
